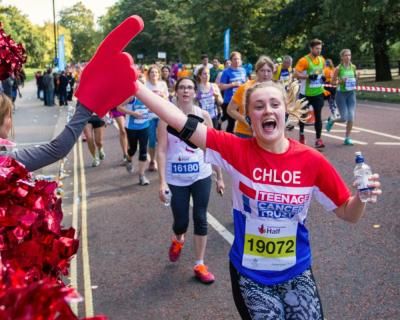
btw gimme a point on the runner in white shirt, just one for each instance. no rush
(185, 174)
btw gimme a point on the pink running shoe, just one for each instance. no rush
(201, 272)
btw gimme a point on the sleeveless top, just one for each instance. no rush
(207, 101)
(185, 165)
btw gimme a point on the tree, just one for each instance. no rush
(47, 33)
(367, 27)
(372, 23)
(79, 20)
(21, 29)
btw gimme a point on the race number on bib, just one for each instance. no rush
(270, 244)
(317, 83)
(182, 168)
(350, 84)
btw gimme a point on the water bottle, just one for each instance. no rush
(362, 172)
(168, 196)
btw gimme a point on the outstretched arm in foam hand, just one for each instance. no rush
(110, 76)
(171, 114)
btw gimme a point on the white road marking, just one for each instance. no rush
(387, 143)
(220, 228)
(373, 132)
(225, 233)
(343, 131)
(378, 107)
(31, 143)
(335, 137)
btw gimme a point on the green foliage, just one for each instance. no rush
(187, 28)
(79, 20)
(21, 29)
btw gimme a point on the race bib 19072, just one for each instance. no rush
(270, 244)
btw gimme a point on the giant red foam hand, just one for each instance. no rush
(110, 76)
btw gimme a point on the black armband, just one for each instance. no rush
(187, 130)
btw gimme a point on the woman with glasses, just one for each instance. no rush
(184, 174)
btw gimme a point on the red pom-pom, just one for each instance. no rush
(34, 251)
(12, 55)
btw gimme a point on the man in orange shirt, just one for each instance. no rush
(309, 69)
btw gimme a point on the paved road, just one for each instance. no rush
(122, 269)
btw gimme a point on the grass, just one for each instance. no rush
(30, 73)
(380, 96)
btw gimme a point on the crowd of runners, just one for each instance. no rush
(191, 126)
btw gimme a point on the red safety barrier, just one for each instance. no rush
(370, 88)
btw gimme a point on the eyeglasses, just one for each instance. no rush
(183, 88)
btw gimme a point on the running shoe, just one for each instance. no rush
(102, 154)
(302, 139)
(175, 250)
(201, 272)
(348, 142)
(319, 144)
(95, 162)
(143, 181)
(129, 167)
(290, 127)
(329, 125)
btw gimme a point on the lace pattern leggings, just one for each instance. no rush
(296, 299)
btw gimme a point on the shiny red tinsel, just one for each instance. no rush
(34, 250)
(12, 55)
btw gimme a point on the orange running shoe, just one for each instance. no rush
(175, 250)
(201, 272)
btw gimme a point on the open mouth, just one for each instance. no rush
(269, 124)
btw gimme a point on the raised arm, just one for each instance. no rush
(171, 114)
(37, 157)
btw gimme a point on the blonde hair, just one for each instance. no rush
(6, 107)
(294, 107)
(344, 51)
(235, 53)
(154, 66)
(262, 61)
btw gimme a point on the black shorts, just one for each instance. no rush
(96, 122)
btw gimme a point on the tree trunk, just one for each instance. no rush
(381, 57)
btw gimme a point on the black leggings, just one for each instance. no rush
(200, 191)
(317, 103)
(297, 298)
(135, 136)
(226, 116)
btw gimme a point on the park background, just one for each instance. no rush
(184, 29)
